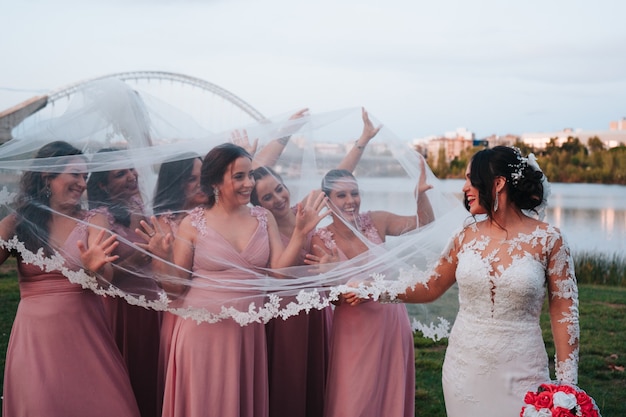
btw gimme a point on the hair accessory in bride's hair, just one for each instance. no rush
(560, 400)
(541, 208)
(518, 168)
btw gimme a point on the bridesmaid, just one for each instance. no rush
(116, 205)
(177, 192)
(220, 369)
(62, 359)
(298, 348)
(372, 367)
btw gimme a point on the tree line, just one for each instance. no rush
(570, 162)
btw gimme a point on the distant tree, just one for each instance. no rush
(573, 146)
(595, 144)
(441, 168)
(552, 146)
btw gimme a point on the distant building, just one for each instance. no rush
(616, 136)
(618, 125)
(452, 148)
(506, 140)
(455, 142)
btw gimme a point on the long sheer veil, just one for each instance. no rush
(146, 132)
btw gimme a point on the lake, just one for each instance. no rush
(592, 217)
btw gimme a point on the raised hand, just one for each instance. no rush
(299, 114)
(159, 242)
(369, 130)
(311, 211)
(99, 253)
(241, 139)
(422, 184)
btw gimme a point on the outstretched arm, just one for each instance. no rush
(353, 157)
(563, 306)
(269, 154)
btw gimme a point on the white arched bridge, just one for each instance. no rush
(216, 107)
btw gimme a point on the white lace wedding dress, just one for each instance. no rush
(496, 351)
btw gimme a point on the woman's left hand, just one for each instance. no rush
(158, 241)
(310, 212)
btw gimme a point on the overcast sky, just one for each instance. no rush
(420, 67)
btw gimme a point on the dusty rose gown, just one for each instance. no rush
(298, 350)
(219, 369)
(136, 329)
(168, 322)
(62, 359)
(372, 365)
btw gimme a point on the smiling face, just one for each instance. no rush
(121, 184)
(237, 183)
(273, 195)
(472, 195)
(67, 188)
(193, 193)
(345, 199)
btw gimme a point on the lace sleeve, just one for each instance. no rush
(563, 293)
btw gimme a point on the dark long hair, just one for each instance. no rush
(33, 200)
(169, 194)
(98, 197)
(259, 173)
(523, 183)
(215, 164)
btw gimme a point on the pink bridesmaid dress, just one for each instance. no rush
(372, 365)
(136, 329)
(62, 359)
(298, 350)
(219, 369)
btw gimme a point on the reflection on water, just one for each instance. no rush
(595, 230)
(592, 217)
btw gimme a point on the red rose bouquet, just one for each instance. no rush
(556, 400)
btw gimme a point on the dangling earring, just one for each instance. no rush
(216, 193)
(495, 203)
(46, 191)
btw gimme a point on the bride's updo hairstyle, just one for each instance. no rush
(214, 167)
(523, 182)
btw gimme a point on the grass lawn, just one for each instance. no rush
(602, 352)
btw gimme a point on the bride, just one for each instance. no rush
(503, 265)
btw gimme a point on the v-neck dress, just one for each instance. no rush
(219, 369)
(372, 367)
(62, 359)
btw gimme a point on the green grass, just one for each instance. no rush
(602, 354)
(603, 269)
(602, 351)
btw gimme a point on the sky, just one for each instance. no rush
(419, 67)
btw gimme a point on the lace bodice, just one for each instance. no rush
(502, 284)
